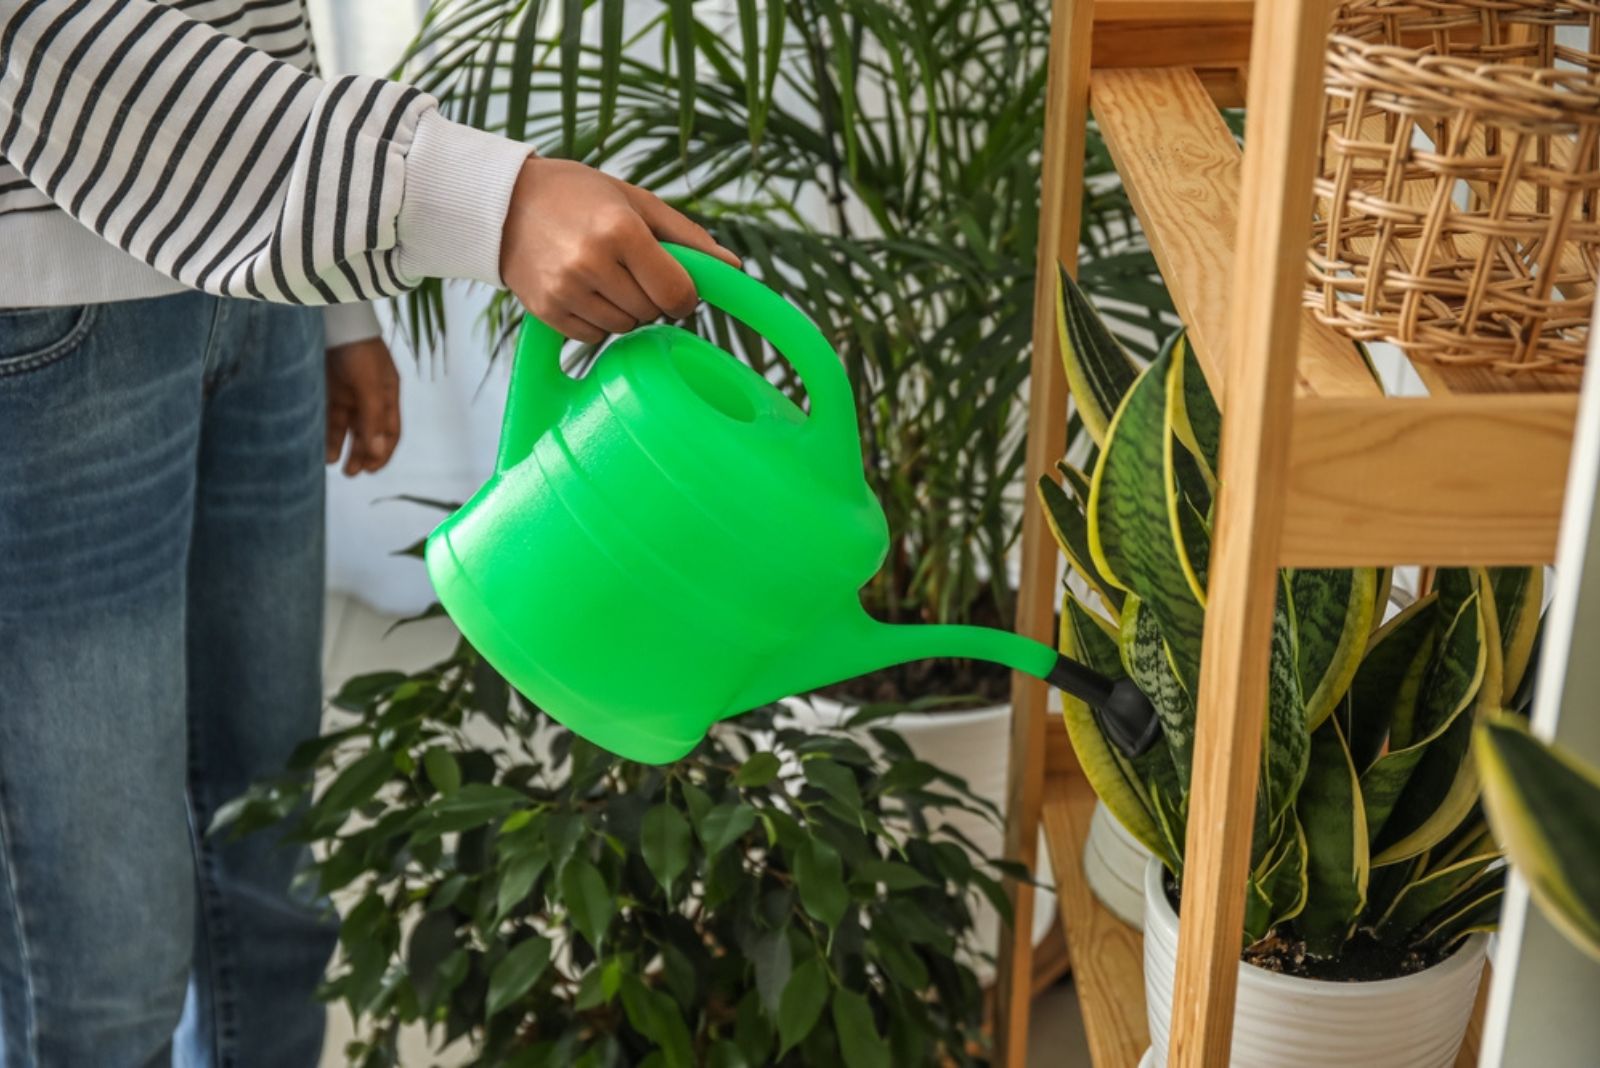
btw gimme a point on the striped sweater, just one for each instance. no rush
(147, 146)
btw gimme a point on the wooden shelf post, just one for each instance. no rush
(1060, 214)
(1269, 274)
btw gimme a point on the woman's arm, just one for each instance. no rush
(237, 173)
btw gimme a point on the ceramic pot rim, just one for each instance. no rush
(1468, 955)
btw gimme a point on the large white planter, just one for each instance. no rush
(976, 746)
(1416, 1021)
(1113, 866)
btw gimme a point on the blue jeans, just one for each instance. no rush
(161, 540)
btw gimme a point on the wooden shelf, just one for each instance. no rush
(1322, 469)
(1107, 955)
(1181, 168)
(1470, 474)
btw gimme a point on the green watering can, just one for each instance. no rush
(670, 541)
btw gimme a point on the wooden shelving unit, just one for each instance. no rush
(1319, 468)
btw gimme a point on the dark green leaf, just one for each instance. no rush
(802, 1003)
(517, 971)
(664, 842)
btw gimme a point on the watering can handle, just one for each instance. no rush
(539, 388)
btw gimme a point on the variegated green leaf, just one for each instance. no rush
(1070, 525)
(1171, 812)
(1544, 805)
(1518, 597)
(1479, 912)
(1333, 612)
(1337, 861)
(1188, 505)
(1192, 413)
(1449, 687)
(1288, 742)
(1148, 662)
(1086, 638)
(1099, 371)
(1389, 678)
(1443, 890)
(1130, 531)
(1443, 787)
(1276, 890)
(1388, 881)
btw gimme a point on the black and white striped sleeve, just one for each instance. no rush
(235, 172)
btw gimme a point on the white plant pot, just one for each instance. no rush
(976, 746)
(1113, 865)
(1416, 1021)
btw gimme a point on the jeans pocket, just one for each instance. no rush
(32, 338)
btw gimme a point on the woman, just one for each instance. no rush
(178, 195)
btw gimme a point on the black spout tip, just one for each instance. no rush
(1125, 714)
(1129, 719)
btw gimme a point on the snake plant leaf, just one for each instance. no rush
(1192, 411)
(1338, 864)
(1333, 610)
(1148, 662)
(1171, 811)
(1130, 530)
(1389, 881)
(1276, 890)
(1389, 678)
(1085, 638)
(1518, 597)
(1188, 505)
(1070, 525)
(1478, 913)
(1441, 891)
(1544, 805)
(1288, 741)
(1443, 787)
(1451, 683)
(1099, 370)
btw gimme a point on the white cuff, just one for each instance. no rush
(347, 323)
(458, 187)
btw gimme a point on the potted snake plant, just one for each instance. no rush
(1372, 867)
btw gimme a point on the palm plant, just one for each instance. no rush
(876, 161)
(1368, 840)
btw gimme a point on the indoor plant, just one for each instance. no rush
(878, 163)
(1371, 860)
(510, 883)
(1544, 805)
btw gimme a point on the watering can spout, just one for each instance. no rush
(856, 644)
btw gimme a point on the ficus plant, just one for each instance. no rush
(775, 898)
(1544, 804)
(1368, 840)
(878, 164)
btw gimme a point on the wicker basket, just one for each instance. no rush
(1458, 193)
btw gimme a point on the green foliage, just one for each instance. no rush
(1367, 820)
(775, 898)
(878, 163)
(1544, 804)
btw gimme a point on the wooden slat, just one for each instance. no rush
(1470, 1045)
(1060, 211)
(1266, 323)
(1107, 954)
(1182, 167)
(1438, 480)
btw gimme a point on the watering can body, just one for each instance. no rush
(670, 540)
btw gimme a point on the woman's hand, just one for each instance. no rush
(582, 251)
(363, 404)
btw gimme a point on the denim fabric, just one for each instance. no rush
(161, 575)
